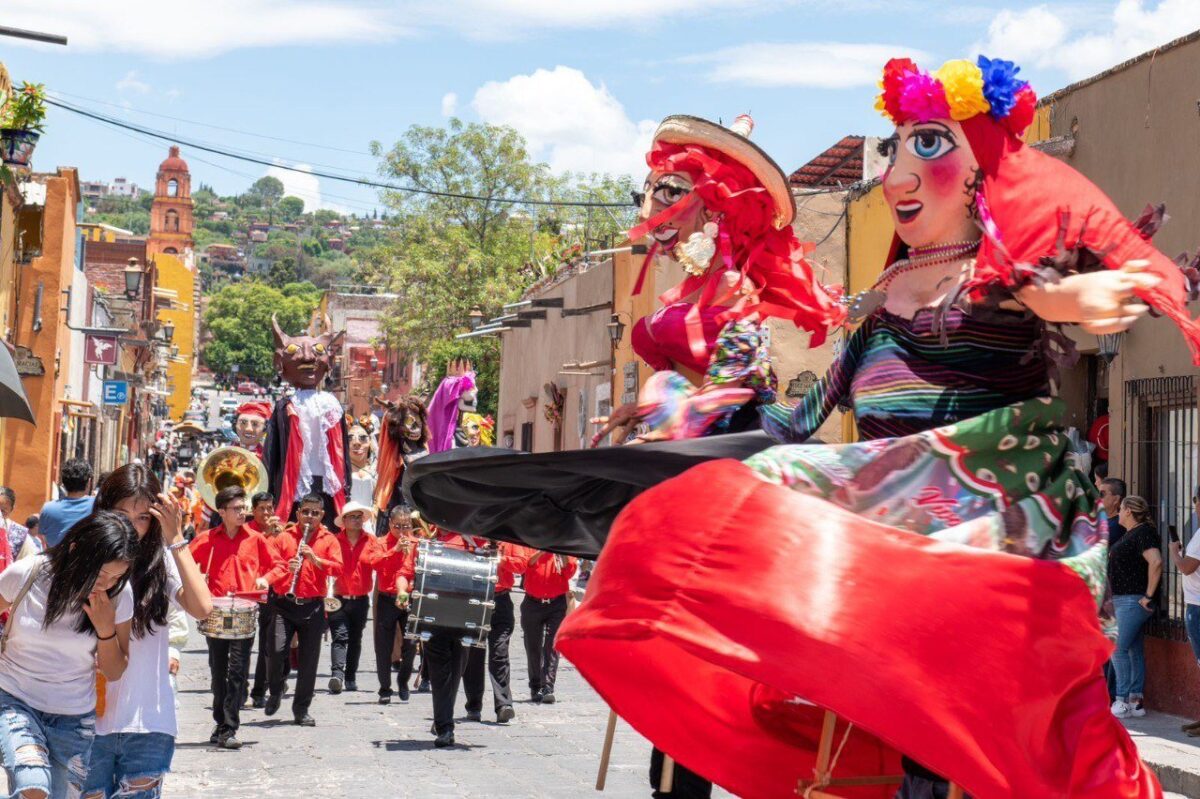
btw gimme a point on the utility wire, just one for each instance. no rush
(327, 175)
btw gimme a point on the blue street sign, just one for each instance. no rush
(116, 392)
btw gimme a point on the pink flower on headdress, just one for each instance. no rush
(1022, 112)
(923, 98)
(888, 101)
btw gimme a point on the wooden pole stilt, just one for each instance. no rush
(606, 752)
(666, 782)
(956, 791)
(825, 746)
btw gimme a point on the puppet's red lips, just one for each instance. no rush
(907, 211)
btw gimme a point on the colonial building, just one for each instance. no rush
(171, 223)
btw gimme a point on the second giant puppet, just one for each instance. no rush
(308, 440)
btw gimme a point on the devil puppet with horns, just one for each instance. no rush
(307, 437)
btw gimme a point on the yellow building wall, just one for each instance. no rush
(173, 275)
(869, 224)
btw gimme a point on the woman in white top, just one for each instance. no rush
(1188, 562)
(70, 612)
(135, 736)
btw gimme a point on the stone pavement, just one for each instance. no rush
(362, 749)
(1174, 757)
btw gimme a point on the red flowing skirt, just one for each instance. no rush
(726, 614)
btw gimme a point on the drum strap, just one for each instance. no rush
(12, 611)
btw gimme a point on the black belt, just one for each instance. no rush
(347, 596)
(301, 600)
(388, 596)
(547, 601)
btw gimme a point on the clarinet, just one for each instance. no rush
(304, 537)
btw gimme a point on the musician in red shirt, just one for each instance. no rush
(235, 560)
(353, 589)
(513, 560)
(394, 561)
(263, 520)
(547, 581)
(299, 581)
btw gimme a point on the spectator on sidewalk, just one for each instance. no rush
(58, 516)
(1187, 560)
(1135, 568)
(20, 543)
(1112, 491)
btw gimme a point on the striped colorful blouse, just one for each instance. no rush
(902, 376)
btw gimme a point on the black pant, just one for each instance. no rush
(228, 663)
(266, 612)
(306, 620)
(346, 626)
(443, 653)
(503, 623)
(388, 619)
(539, 624)
(684, 784)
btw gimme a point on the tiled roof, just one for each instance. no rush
(840, 165)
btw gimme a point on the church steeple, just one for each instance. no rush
(171, 222)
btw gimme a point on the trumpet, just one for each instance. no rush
(332, 603)
(305, 535)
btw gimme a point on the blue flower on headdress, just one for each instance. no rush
(1000, 84)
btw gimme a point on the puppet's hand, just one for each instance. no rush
(1099, 302)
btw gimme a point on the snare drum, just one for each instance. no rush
(232, 619)
(453, 589)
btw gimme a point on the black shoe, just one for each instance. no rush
(474, 715)
(548, 698)
(230, 741)
(433, 728)
(537, 696)
(257, 702)
(335, 685)
(271, 707)
(403, 693)
(306, 721)
(423, 688)
(216, 735)
(351, 685)
(385, 699)
(444, 740)
(505, 714)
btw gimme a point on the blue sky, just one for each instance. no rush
(585, 82)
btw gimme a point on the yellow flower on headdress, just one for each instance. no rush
(963, 82)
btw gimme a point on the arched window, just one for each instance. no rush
(172, 188)
(172, 221)
(171, 251)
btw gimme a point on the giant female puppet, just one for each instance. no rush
(931, 591)
(307, 438)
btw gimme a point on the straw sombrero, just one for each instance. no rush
(734, 141)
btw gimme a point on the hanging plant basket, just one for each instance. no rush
(16, 146)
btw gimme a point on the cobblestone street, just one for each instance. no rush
(362, 749)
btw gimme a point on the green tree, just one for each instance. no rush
(239, 319)
(290, 208)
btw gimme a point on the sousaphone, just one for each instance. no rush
(230, 466)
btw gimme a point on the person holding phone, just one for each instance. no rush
(1187, 560)
(1134, 568)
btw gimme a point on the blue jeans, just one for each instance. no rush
(129, 765)
(1191, 619)
(44, 751)
(1129, 659)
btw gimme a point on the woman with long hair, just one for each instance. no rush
(1135, 567)
(135, 737)
(70, 612)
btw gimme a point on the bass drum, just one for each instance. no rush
(453, 590)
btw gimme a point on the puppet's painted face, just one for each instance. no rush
(472, 429)
(405, 423)
(466, 402)
(304, 360)
(930, 184)
(250, 430)
(662, 190)
(360, 446)
(413, 428)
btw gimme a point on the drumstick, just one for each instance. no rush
(666, 783)
(606, 750)
(956, 791)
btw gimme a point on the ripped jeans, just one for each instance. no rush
(44, 753)
(129, 765)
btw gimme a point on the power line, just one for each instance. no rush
(327, 175)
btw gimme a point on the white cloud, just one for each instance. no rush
(131, 83)
(567, 121)
(825, 65)
(449, 104)
(304, 185)
(504, 18)
(1080, 45)
(194, 30)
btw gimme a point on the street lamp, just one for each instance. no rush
(168, 330)
(133, 279)
(475, 317)
(1109, 345)
(616, 329)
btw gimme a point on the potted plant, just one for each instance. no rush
(21, 124)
